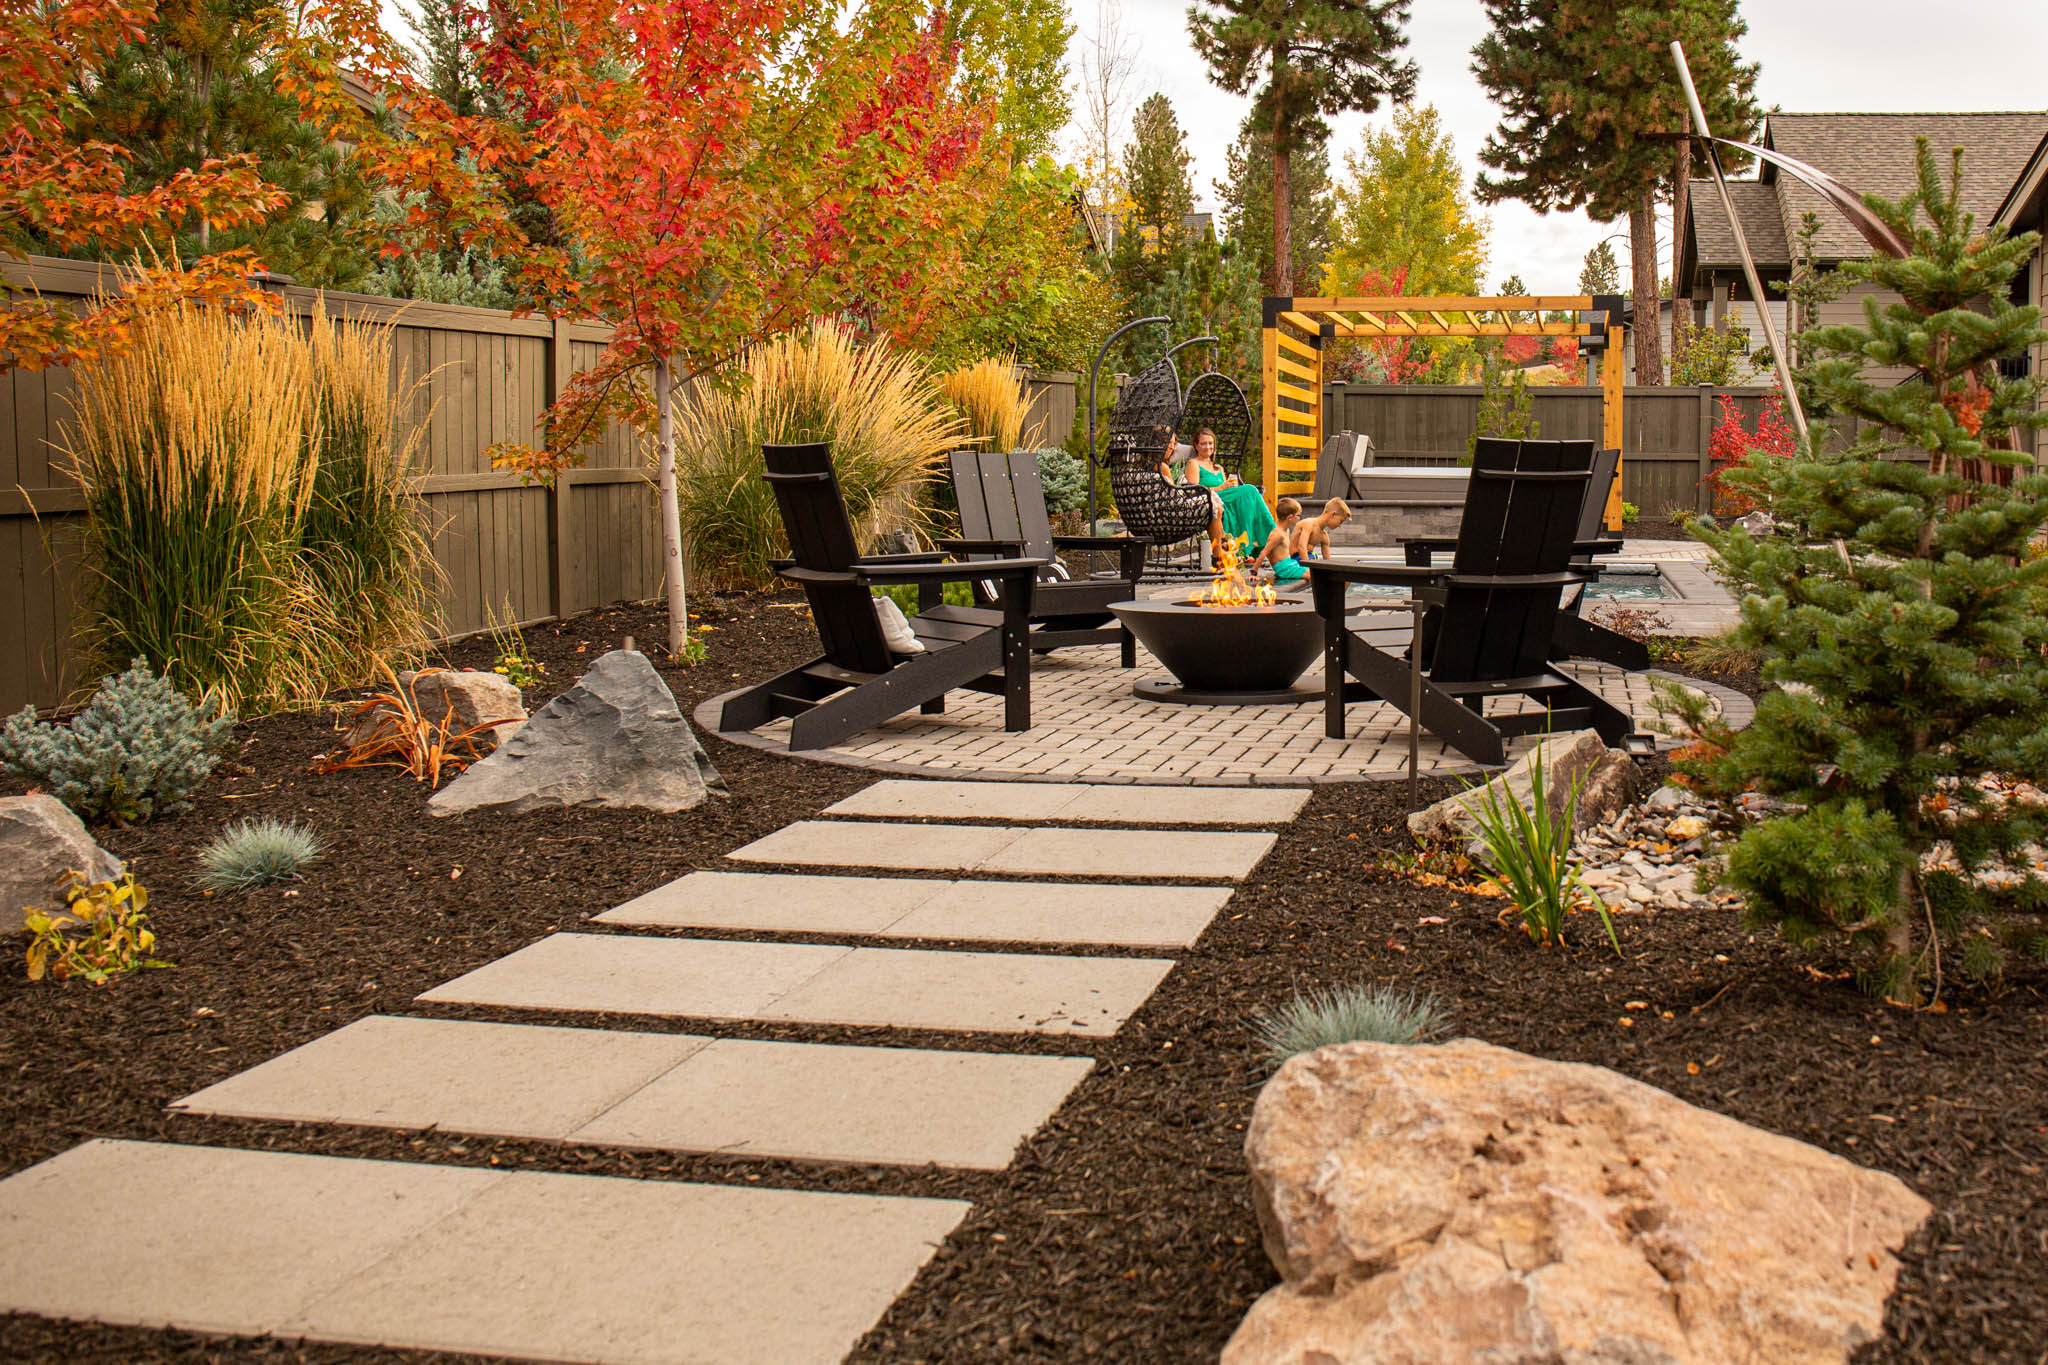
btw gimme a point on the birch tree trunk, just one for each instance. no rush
(671, 513)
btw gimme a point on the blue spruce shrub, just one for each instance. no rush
(1065, 479)
(136, 749)
(255, 853)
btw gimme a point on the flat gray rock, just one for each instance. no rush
(40, 840)
(456, 1258)
(615, 739)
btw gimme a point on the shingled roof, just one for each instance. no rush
(1871, 154)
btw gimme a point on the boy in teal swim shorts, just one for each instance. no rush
(1278, 549)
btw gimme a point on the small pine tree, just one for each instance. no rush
(1903, 612)
(1504, 406)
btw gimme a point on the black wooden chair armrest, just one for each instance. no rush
(1597, 547)
(948, 573)
(785, 568)
(904, 557)
(1130, 550)
(1512, 580)
(1014, 549)
(1398, 575)
(1416, 550)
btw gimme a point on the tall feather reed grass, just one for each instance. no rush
(363, 539)
(886, 419)
(989, 396)
(209, 523)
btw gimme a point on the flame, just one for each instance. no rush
(1230, 588)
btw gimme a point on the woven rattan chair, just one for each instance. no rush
(1141, 438)
(1216, 402)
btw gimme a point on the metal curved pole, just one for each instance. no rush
(1094, 370)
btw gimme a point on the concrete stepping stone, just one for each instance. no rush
(915, 907)
(1073, 801)
(814, 1102)
(516, 1080)
(1106, 853)
(640, 976)
(997, 992)
(670, 1091)
(439, 1258)
(895, 987)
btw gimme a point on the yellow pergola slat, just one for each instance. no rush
(1374, 318)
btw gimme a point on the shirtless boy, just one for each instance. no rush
(1278, 551)
(1312, 537)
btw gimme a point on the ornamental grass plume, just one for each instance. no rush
(885, 419)
(193, 447)
(1349, 1014)
(251, 853)
(989, 396)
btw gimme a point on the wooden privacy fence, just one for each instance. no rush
(503, 547)
(1665, 431)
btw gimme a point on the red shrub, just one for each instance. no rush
(1732, 442)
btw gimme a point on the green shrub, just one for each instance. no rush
(1629, 513)
(255, 853)
(137, 749)
(1530, 848)
(1065, 478)
(904, 595)
(1349, 1014)
(887, 423)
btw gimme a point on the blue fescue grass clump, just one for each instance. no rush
(1349, 1014)
(252, 853)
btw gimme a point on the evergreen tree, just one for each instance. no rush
(195, 84)
(1156, 175)
(1601, 274)
(1302, 61)
(1591, 109)
(1402, 206)
(1512, 287)
(1903, 614)
(1246, 199)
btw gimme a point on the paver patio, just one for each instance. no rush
(929, 908)
(1105, 853)
(524, 1264)
(675, 1092)
(816, 984)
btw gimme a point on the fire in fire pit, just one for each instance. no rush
(1236, 644)
(1230, 588)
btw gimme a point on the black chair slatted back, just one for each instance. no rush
(1593, 511)
(1521, 514)
(1034, 527)
(821, 539)
(971, 491)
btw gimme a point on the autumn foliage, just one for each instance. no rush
(1731, 443)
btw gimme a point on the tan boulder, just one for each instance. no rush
(463, 698)
(1607, 779)
(1462, 1204)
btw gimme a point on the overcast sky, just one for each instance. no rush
(1817, 56)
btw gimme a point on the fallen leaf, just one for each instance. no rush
(1692, 1068)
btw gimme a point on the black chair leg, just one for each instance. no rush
(1127, 648)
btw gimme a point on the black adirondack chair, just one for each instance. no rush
(1577, 637)
(858, 681)
(1002, 513)
(1495, 612)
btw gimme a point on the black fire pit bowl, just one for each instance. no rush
(1226, 656)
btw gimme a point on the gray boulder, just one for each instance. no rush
(41, 840)
(615, 739)
(1607, 779)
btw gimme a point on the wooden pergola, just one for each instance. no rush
(1297, 330)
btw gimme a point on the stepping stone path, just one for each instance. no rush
(538, 1265)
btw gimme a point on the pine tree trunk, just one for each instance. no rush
(671, 513)
(1283, 213)
(1642, 259)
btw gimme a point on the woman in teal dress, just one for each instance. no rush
(1246, 519)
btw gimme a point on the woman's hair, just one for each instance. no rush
(1209, 432)
(1285, 508)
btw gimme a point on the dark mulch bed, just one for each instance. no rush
(1123, 1231)
(1644, 528)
